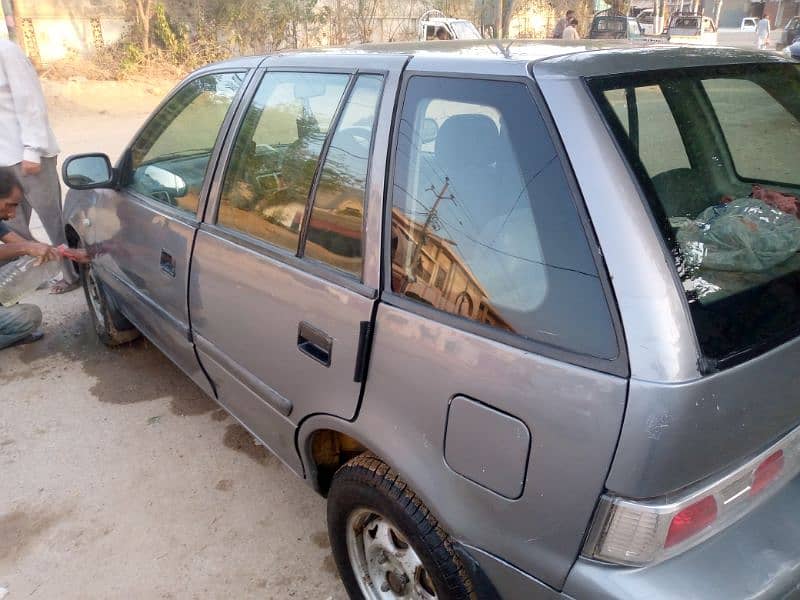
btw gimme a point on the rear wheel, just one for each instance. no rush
(386, 543)
(112, 327)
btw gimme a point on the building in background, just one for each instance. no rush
(50, 30)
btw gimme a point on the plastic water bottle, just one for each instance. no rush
(23, 276)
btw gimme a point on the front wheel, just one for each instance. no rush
(386, 543)
(112, 328)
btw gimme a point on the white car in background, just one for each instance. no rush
(749, 25)
(692, 29)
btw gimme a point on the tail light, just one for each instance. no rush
(637, 533)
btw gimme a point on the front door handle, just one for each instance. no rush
(167, 263)
(314, 343)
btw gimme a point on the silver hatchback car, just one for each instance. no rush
(527, 314)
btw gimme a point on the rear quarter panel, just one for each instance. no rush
(573, 415)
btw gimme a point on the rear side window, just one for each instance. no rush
(483, 223)
(275, 156)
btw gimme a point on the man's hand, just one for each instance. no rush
(78, 255)
(31, 168)
(43, 252)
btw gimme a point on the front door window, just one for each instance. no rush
(168, 160)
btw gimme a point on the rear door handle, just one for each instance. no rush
(167, 263)
(314, 343)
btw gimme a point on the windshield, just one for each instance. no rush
(465, 30)
(716, 152)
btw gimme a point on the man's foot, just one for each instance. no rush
(62, 287)
(33, 337)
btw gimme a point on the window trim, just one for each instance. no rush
(618, 365)
(211, 214)
(203, 196)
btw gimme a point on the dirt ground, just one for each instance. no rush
(118, 477)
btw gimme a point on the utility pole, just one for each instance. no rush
(425, 227)
(498, 20)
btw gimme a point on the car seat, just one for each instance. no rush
(466, 153)
(682, 192)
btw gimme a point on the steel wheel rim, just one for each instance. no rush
(385, 565)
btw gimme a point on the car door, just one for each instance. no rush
(145, 229)
(280, 307)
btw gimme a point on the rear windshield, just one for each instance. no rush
(717, 152)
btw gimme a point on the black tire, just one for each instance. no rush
(110, 325)
(365, 482)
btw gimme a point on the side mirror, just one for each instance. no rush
(88, 172)
(430, 129)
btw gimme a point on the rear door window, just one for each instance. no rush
(275, 156)
(484, 226)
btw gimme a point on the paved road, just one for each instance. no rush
(736, 38)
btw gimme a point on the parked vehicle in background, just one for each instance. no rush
(611, 25)
(793, 51)
(646, 20)
(691, 29)
(473, 298)
(790, 34)
(749, 25)
(457, 29)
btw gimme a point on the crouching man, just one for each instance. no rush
(19, 324)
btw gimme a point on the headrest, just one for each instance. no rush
(467, 141)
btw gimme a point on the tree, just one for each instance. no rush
(144, 14)
(290, 15)
(362, 13)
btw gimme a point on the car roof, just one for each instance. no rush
(551, 58)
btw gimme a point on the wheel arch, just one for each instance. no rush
(317, 439)
(325, 443)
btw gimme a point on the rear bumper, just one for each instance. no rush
(757, 557)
